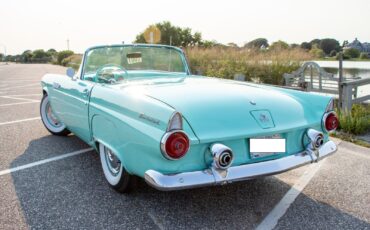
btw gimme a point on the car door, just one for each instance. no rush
(70, 102)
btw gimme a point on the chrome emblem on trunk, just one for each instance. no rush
(264, 118)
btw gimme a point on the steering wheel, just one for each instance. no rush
(110, 77)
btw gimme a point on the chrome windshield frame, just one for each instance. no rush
(182, 54)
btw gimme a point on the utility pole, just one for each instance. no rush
(67, 43)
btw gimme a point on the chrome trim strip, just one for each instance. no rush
(237, 173)
(169, 124)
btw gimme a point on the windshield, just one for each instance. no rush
(120, 62)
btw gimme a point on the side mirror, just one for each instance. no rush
(70, 72)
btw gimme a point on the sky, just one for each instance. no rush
(45, 24)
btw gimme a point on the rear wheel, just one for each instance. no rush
(114, 172)
(51, 122)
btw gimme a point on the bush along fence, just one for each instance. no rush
(312, 78)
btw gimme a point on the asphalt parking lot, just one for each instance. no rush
(49, 182)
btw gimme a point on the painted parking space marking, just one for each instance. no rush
(18, 98)
(281, 208)
(41, 162)
(19, 103)
(23, 95)
(21, 86)
(18, 80)
(18, 121)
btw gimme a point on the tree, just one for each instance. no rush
(173, 35)
(63, 54)
(279, 45)
(294, 45)
(306, 45)
(329, 44)
(257, 43)
(26, 56)
(315, 42)
(51, 52)
(345, 43)
(1, 56)
(39, 54)
(208, 43)
(232, 44)
(352, 53)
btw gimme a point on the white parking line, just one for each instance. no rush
(19, 80)
(20, 86)
(19, 98)
(280, 209)
(23, 95)
(30, 165)
(19, 103)
(18, 121)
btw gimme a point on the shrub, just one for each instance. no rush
(266, 67)
(73, 61)
(318, 53)
(364, 56)
(279, 45)
(62, 55)
(351, 52)
(357, 121)
(345, 57)
(333, 53)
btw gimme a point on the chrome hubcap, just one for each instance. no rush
(51, 117)
(113, 163)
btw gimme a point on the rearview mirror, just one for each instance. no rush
(70, 72)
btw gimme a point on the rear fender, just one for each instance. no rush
(105, 132)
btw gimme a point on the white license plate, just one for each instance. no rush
(261, 147)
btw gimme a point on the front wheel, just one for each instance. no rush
(51, 123)
(114, 172)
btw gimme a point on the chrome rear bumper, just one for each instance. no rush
(214, 176)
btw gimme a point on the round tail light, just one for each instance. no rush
(175, 145)
(331, 122)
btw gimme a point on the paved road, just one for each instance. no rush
(71, 193)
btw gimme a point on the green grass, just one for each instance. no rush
(357, 121)
(350, 138)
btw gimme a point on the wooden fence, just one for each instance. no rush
(312, 78)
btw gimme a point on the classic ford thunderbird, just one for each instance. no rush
(147, 116)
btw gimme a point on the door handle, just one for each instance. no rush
(56, 85)
(86, 92)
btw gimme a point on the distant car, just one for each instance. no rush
(147, 116)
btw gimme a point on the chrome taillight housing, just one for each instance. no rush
(175, 142)
(330, 120)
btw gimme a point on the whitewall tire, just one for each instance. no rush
(114, 172)
(50, 121)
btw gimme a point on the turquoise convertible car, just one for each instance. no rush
(147, 116)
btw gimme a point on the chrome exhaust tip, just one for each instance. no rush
(316, 139)
(222, 156)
